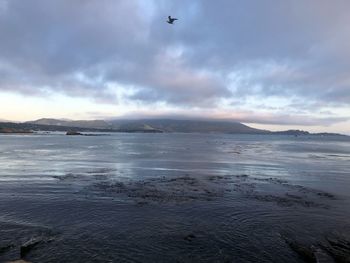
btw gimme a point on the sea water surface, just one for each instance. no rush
(173, 197)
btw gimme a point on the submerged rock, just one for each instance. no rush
(189, 237)
(29, 245)
(290, 200)
(339, 247)
(335, 248)
(304, 251)
(161, 190)
(4, 249)
(322, 256)
(26, 247)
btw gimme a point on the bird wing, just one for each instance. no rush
(175, 19)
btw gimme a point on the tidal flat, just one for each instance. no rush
(174, 198)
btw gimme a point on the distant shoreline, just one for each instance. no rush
(146, 126)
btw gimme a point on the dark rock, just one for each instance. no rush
(73, 133)
(29, 245)
(4, 249)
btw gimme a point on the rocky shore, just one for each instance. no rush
(15, 131)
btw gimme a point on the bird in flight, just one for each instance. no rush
(171, 20)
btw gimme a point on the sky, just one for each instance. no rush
(270, 64)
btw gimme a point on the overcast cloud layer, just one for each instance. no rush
(289, 58)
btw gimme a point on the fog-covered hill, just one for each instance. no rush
(155, 125)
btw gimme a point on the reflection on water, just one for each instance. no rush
(174, 198)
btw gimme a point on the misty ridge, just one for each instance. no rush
(146, 126)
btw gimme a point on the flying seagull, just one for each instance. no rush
(171, 20)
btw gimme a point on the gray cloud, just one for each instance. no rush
(218, 50)
(304, 40)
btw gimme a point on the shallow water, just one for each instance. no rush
(171, 197)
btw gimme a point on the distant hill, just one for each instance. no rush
(144, 126)
(7, 127)
(188, 126)
(95, 124)
(157, 125)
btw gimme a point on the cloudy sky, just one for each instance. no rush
(271, 64)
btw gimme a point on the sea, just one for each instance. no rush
(171, 197)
